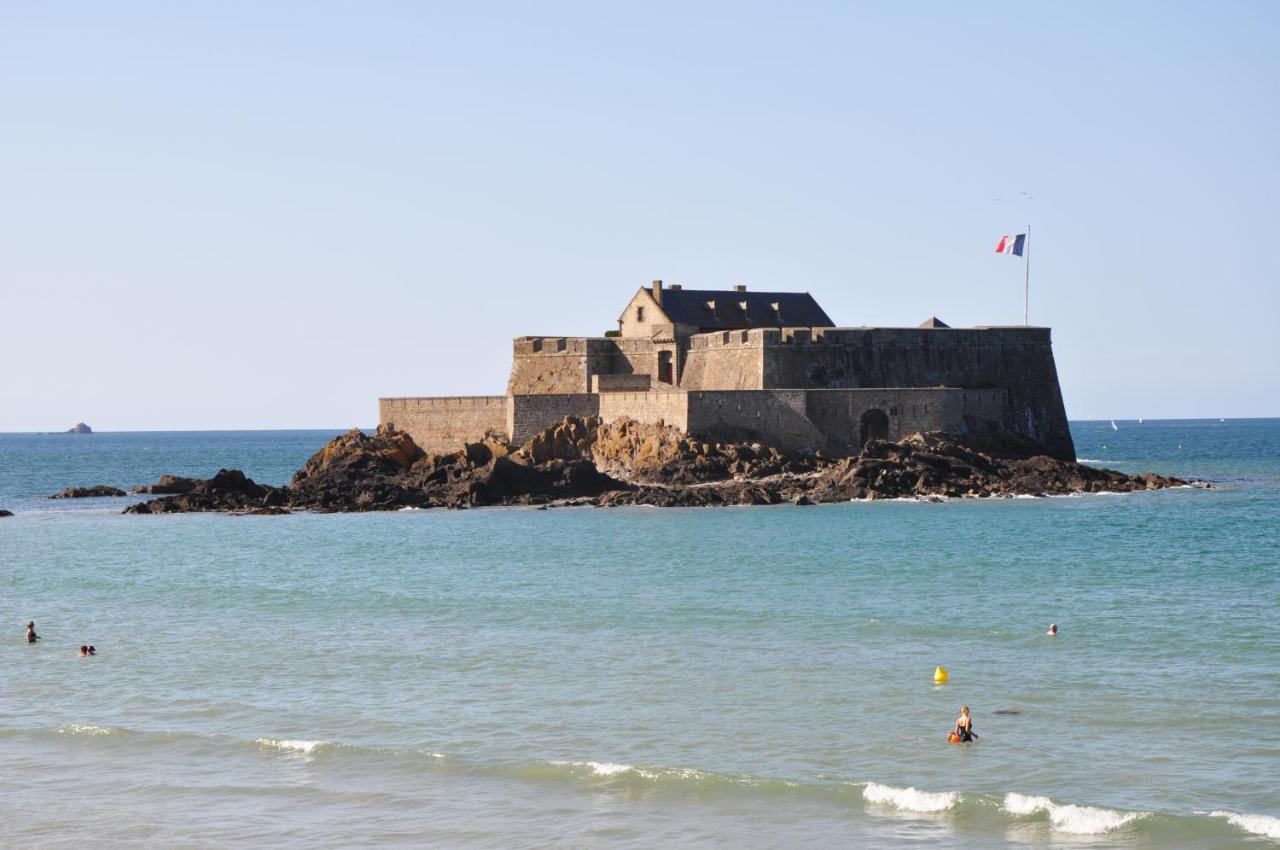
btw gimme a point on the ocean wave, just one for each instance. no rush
(1071, 818)
(1264, 825)
(305, 748)
(598, 768)
(910, 799)
(89, 731)
(617, 777)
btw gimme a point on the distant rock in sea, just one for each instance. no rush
(4, 513)
(80, 428)
(89, 492)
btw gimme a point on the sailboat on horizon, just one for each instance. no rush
(1114, 427)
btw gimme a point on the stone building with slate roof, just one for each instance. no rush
(768, 367)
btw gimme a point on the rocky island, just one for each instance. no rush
(708, 397)
(79, 428)
(584, 461)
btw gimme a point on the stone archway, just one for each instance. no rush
(874, 425)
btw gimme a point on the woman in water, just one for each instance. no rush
(32, 637)
(964, 726)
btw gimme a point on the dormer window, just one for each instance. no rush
(639, 314)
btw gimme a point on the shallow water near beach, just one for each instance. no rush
(725, 677)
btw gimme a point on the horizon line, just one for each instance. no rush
(219, 429)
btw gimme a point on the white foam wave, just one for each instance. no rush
(910, 799)
(1257, 824)
(597, 768)
(86, 729)
(1077, 820)
(306, 748)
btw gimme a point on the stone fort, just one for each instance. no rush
(768, 367)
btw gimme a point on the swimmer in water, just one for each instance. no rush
(1053, 630)
(964, 726)
(84, 650)
(32, 637)
(93, 650)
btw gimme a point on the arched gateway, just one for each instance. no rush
(875, 425)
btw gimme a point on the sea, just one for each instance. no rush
(750, 677)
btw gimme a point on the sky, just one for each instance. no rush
(267, 215)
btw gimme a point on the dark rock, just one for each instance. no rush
(584, 461)
(167, 485)
(95, 491)
(229, 490)
(79, 428)
(4, 513)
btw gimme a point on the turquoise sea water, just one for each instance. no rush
(732, 677)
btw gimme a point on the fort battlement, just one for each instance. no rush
(727, 363)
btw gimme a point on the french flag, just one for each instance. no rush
(1011, 244)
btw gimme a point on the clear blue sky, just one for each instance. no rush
(244, 214)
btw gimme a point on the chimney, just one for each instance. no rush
(739, 287)
(657, 292)
(675, 287)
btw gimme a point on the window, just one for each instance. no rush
(639, 314)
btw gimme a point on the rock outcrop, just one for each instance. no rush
(93, 492)
(583, 461)
(167, 485)
(4, 513)
(229, 490)
(79, 428)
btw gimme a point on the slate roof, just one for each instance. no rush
(794, 309)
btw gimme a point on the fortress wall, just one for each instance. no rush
(838, 413)
(669, 406)
(831, 420)
(529, 414)
(773, 417)
(443, 424)
(1019, 360)
(549, 365)
(620, 383)
(622, 356)
(726, 360)
(564, 365)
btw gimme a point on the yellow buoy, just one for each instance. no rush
(940, 675)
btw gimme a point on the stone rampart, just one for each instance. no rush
(669, 406)
(564, 365)
(839, 421)
(1016, 359)
(443, 424)
(620, 383)
(529, 414)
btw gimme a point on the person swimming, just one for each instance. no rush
(93, 650)
(964, 726)
(84, 650)
(32, 637)
(1053, 630)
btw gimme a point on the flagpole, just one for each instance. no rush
(1026, 282)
